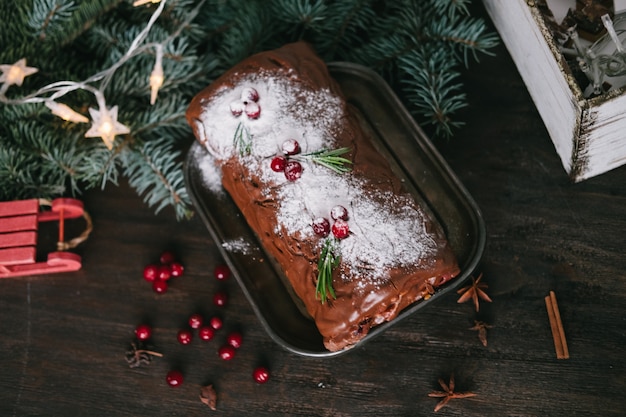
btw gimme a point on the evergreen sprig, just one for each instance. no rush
(418, 47)
(329, 260)
(331, 159)
(242, 140)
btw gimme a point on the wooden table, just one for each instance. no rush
(64, 336)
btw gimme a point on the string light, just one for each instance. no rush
(156, 77)
(15, 74)
(105, 125)
(65, 112)
(142, 2)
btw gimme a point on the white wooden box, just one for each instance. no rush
(589, 134)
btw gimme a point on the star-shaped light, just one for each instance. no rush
(142, 2)
(15, 74)
(105, 125)
(65, 112)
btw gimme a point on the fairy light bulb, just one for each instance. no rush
(156, 77)
(105, 125)
(142, 2)
(15, 74)
(65, 112)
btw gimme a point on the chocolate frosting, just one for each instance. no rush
(360, 303)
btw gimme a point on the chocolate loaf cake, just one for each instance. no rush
(353, 244)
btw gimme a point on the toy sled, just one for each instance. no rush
(19, 221)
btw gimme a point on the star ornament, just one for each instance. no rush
(106, 126)
(15, 74)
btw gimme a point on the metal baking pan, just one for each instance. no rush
(413, 158)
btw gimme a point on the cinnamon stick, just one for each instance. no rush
(558, 334)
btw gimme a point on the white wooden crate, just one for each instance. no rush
(589, 134)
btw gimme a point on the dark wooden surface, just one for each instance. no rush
(63, 337)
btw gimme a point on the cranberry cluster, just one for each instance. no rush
(160, 274)
(340, 229)
(248, 104)
(282, 163)
(196, 322)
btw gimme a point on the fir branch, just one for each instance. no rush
(331, 159)
(329, 259)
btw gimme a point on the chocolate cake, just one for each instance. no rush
(353, 244)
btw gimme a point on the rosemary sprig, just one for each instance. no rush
(329, 259)
(331, 159)
(242, 140)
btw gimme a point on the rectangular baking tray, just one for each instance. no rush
(412, 157)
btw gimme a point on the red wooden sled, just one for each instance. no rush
(19, 221)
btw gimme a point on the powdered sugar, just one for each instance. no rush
(386, 230)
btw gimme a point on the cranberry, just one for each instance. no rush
(164, 273)
(236, 108)
(293, 170)
(253, 110)
(234, 339)
(220, 299)
(278, 163)
(176, 269)
(150, 272)
(195, 321)
(159, 286)
(226, 352)
(291, 147)
(216, 322)
(321, 226)
(206, 333)
(261, 375)
(167, 257)
(143, 332)
(174, 378)
(340, 229)
(221, 272)
(249, 94)
(184, 336)
(339, 212)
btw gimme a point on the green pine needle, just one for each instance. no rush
(329, 259)
(242, 140)
(331, 159)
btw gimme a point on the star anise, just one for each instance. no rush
(474, 291)
(448, 393)
(481, 327)
(138, 355)
(208, 396)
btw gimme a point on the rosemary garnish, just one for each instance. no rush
(331, 159)
(329, 259)
(242, 140)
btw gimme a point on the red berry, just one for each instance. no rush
(206, 333)
(164, 273)
(174, 378)
(340, 229)
(261, 375)
(150, 272)
(216, 322)
(278, 163)
(220, 299)
(253, 110)
(159, 286)
(234, 339)
(291, 147)
(321, 226)
(236, 108)
(221, 272)
(167, 257)
(226, 352)
(176, 269)
(184, 336)
(143, 332)
(339, 212)
(195, 321)
(249, 94)
(293, 170)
